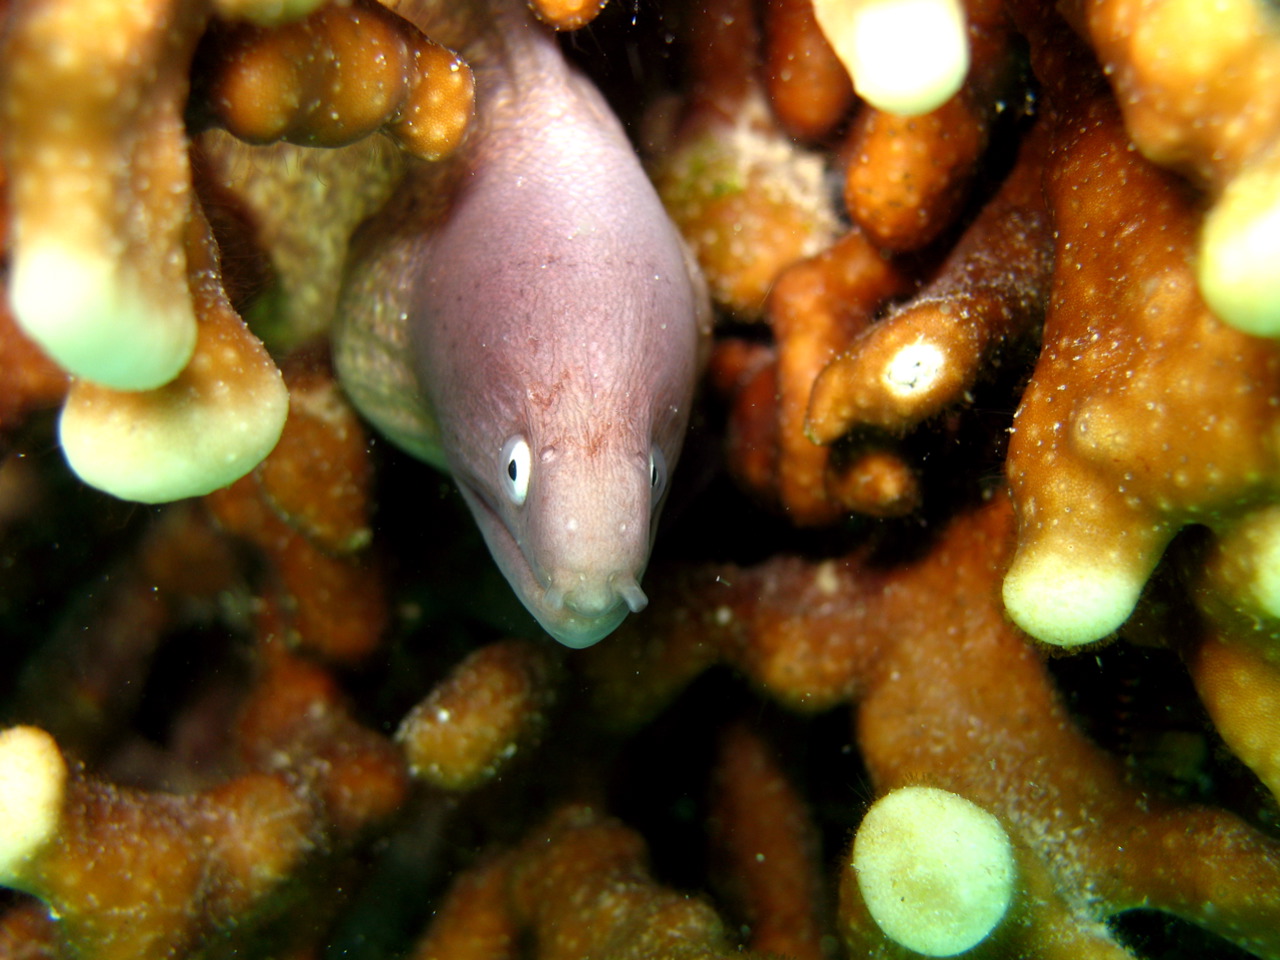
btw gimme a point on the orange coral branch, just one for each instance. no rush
(909, 176)
(337, 76)
(809, 88)
(1214, 113)
(100, 185)
(816, 308)
(928, 354)
(567, 14)
(949, 694)
(1145, 412)
(576, 887)
(203, 429)
(308, 512)
(768, 847)
(493, 704)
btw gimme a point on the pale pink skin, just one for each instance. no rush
(555, 303)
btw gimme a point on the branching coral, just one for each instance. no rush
(291, 719)
(307, 510)
(1209, 108)
(99, 185)
(112, 272)
(579, 888)
(336, 77)
(765, 848)
(747, 199)
(1146, 411)
(935, 871)
(987, 297)
(131, 873)
(948, 694)
(206, 427)
(909, 175)
(492, 704)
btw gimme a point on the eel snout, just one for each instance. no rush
(587, 548)
(593, 598)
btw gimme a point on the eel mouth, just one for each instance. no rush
(619, 588)
(574, 625)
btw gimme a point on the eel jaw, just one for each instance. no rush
(576, 622)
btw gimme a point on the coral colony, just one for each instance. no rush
(970, 647)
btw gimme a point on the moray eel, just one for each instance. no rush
(527, 318)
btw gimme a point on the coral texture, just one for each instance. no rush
(995, 381)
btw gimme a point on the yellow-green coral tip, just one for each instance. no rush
(1066, 601)
(33, 779)
(935, 870)
(1239, 266)
(905, 56)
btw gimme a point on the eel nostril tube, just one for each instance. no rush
(630, 591)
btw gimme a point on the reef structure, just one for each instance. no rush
(988, 584)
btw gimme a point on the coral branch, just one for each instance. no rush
(808, 86)
(122, 869)
(567, 14)
(577, 887)
(935, 871)
(927, 355)
(1213, 111)
(307, 510)
(337, 76)
(908, 176)
(1146, 412)
(817, 307)
(767, 843)
(747, 200)
(474, 920)
(206, 428)
(493, 704)
(100, 185)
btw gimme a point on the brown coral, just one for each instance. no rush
(746, 198)
(1146, 412)
(307, 509)
(578, 888)
(335, 77)
(100, 184)
(927, 355)
(206, 427)
(1198, 89)
(121, 287)
(948, 694)
(131, 873)
(908, 177)
(494, 703)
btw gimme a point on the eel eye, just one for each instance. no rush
(657, 473)
(518, 467)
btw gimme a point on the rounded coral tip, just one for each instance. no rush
(935, 870)
(905, 56)
(201, 432)
(100, 325)
(33, 779)
(1240, 247)
(1063, 598)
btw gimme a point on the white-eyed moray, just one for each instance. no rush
(526, 317)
